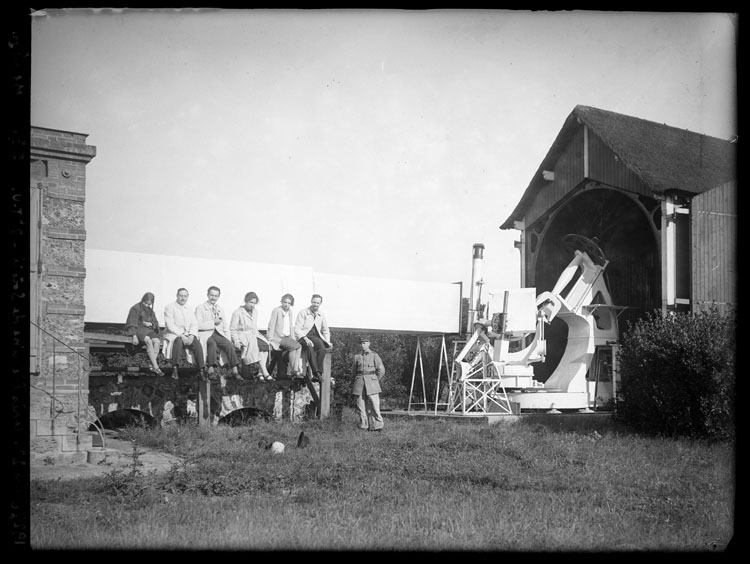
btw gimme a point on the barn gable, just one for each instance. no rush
(660, 202)
(633, 154)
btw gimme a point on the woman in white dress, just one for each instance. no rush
(246, 337)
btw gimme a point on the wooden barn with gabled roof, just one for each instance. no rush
(661, 203)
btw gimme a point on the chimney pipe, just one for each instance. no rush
(476, 277)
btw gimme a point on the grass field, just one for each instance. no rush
(426, 485)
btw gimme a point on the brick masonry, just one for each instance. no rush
(59, 405)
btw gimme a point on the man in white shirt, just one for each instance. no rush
(312, 332)
(213, 332)
(181, 333)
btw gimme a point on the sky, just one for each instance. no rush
(381, 143)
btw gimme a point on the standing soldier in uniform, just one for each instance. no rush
(367, 371)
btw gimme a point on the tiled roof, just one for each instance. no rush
(665, 158)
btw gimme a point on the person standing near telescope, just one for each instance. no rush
(367, 371)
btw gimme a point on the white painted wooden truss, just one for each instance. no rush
(476, 385)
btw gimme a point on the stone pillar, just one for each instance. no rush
(58, 364)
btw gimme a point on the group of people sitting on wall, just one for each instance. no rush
(205, 333)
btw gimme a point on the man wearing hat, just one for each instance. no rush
(367, 371)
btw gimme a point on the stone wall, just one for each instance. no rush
(59, 404)
(120, 379)
(168, 400)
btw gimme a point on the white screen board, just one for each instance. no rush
(360, 302)
(115, 280)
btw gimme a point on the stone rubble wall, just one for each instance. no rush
(168, 400)
(58, 398)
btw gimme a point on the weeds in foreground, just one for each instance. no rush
(419, 485)
(129, 487)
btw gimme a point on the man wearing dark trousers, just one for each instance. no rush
(181, 332)
(213, 333)
(367, 372)
(312, 332)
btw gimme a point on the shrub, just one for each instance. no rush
(132, 489)
(678, 375)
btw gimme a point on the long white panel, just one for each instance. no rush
(389, 304)
(116, 280)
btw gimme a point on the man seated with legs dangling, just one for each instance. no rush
(312, 332)
(181, 333)
(214, 334)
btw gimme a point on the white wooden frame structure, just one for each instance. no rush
(474, 388)
(418, 360)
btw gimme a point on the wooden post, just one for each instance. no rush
(421, 372)
(308, 380)
(322, 398)
(324, 406)
(443, 355)
(204, 404)
(417, 355)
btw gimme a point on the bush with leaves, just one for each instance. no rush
(678, 375)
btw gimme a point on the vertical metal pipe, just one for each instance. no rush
(476, 276)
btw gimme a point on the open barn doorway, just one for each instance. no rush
(623, 229)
